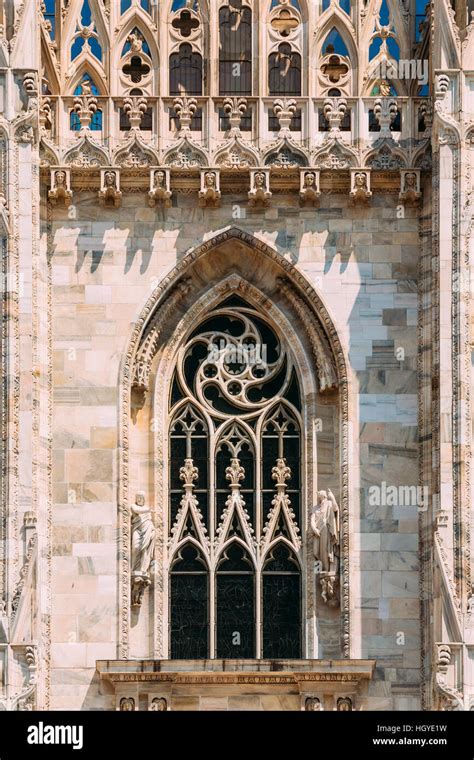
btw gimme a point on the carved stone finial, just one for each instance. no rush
(210, 194)
(109, 193)
(309, 187)
(160, 187)
(284, 109)
(85, 105)
(185, 108)
(60, 192)
(135, 107)
(385, 112)
(334, 110)
(234, 109)
(259, 193)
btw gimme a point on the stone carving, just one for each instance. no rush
(184, 108)
(410, 193)
(127, 704)
(385, 112)
(334, 110)
(309, 187)
(210, 194)
(60, 191)
(234, 109)
(143, 544)
(313, 704)
(344, 704)
(450, 698)
(326, 541)
(360, 192)
(259, 193)
(158, 704)
(135, 107)
(160, 187)
(284, 109)
(109, 193)
(85, 106)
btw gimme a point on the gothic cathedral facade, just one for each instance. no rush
(236, 345)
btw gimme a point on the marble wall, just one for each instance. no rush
(363, 262)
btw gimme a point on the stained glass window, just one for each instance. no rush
(235, 480)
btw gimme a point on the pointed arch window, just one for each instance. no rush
(235, 49)
(284, 71)
(344, 4)
(235, 487)
(86, 38)
(185, 71)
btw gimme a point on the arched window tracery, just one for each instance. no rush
(235, 49)
(235, 488)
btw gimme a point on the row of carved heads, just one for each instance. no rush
(129, 704)
(259, 194)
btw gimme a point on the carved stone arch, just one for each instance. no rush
(135, 18)
(48, 153)
(335, 18)
(296, 37)
(69, 28)
(49, 66)
(229, 259)
(235, 540)
(88, 65)
(185, 154)
(86, 153)
(385, 157)
(135, 153)
(274, 543)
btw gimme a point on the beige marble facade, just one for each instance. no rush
(125, 218)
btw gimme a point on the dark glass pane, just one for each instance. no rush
(175, 500)
(293, 392)
(221, 497)
(270, 455)
(222, 462)
(189, 629)
(176, 392)
(178, 454)
(235, 598)
(235, 50)
(247, 461)
(185, 72)
(281, 560)
(281, 616)
(267, 497)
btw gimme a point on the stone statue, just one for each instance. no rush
(360, 187)
(209, 194)
(259, 193)
(143, 535)
(143, 544)
(309, 189)
(410, 195)
(325, 527)
(159, 178)
(127, 704)
(109, 194)
(110, 179)
(158, 704)
(344, 704)
(159, 193)
(313, 704)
